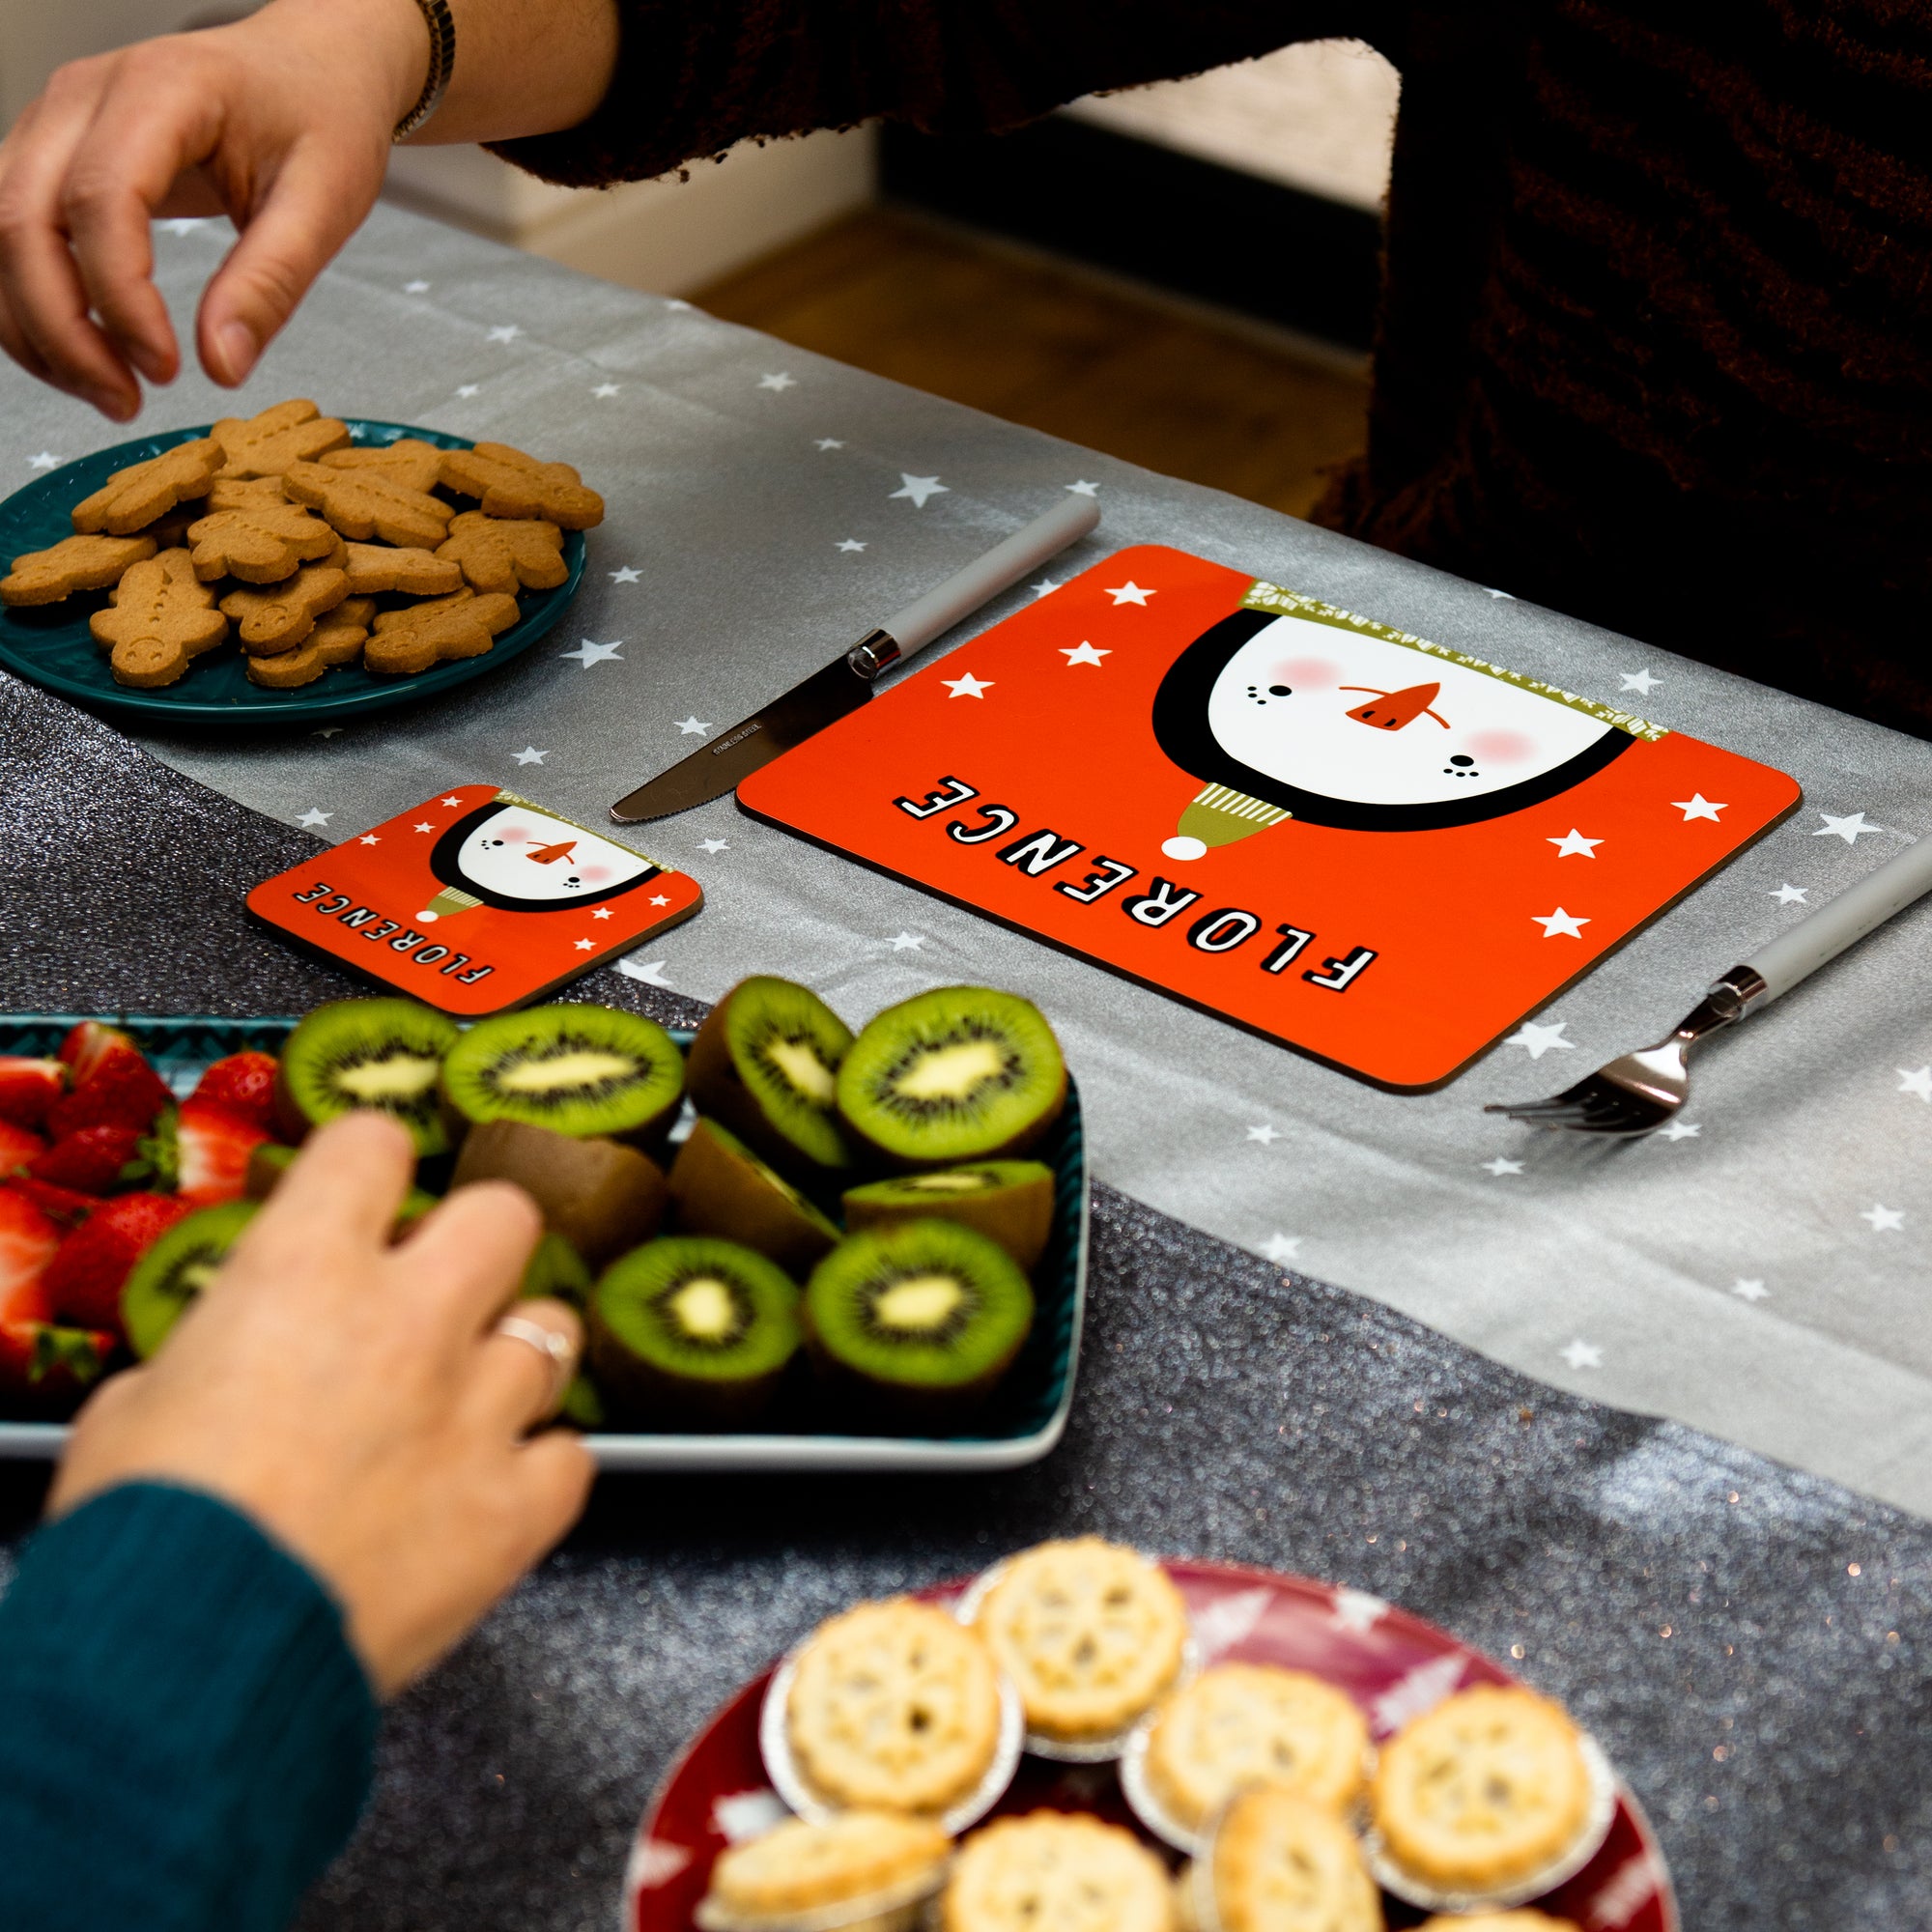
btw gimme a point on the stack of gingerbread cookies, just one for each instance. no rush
(315, 550)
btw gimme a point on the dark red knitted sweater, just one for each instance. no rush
(1657, 329)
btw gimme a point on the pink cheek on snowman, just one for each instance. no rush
(509, 832)
(1502, 748)
(593, 875)
(1307, 674)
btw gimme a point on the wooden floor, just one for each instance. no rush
(1051, 348)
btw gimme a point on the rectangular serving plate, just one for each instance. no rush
(1032, 1410)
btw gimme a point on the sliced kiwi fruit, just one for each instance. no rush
(921, 1320)
(959, 1074)
(583, 1408)
(384, 1054)
(693, 1332)
(719, 1186)
(176, 1269)
(577, 1070)
(600, 1195)
(1010, 1201)
(766, 1063)
(556, 1269)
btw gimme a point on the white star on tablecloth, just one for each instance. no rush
(1502, 1165)
(469, 389)
(966, 685)
(1560, 925)
(1918, 1082)
(1129, 592)
(1850, 828)
(46, 460)
(1679, 1130)
(691, 728)
(651, 973)
(326, 732)
(505, 331)
(183, 225)
(1509, 596)
(827, 443)
(850, 544)
(1884, 1220)
(1264, 1133)
(313, 817)
(1279, 1247)
(1082, 654)
(906, 942)
(1084, 489)
(601, 912)
(416, 287)
(1574, 846)
(425, 828)
(1541, 1039)
(1640, 681)
(529, 756)
(626, 574)
(583, 946)
(604, 392)
(678, 305)
(368, 838)
(777, 381)
(587, 653)
(1582, 1355)
(1045, 587)
(1750, 1290)
(917, 489)
(1697, 805)
(715, 844)
(1789, 894)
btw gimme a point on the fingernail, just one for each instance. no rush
(237, 343)
(113, 404)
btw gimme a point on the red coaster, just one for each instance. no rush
(1373, 848)
(476, 900)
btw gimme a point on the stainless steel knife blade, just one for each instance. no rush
(716, 768)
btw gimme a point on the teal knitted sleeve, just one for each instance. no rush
(185, 1735)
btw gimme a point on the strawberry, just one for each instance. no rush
(62, 1205)
(113, 1085)
(28, 1244)
(48, 1369)
(84, 1279)
(202, 1153)
(17, 1146)
(28, 1088)
(243, 1085)
(94, 1161)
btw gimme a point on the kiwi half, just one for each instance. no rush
(384, 1054)
(1010, 1201)
(766, 1063)
(176, 1269)
(556, 1269)
(922, 1320)
(574, 1069)
(959, 1074)
(719, 1186)
(693, 1332)
(600, 1195)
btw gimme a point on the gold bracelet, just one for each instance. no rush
(442, 64)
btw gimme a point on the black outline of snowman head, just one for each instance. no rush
(445, 855)
(1181, 729)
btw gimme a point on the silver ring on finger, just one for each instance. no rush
(551, 1344)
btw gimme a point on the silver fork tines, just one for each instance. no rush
(1639, 1092)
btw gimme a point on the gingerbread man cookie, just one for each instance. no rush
(462, 626)
(259, 543)
(409, 461)
(144, 491)
(255, 493)
(74, 564)
(277, 619)
(265, 446)
(364, 503)
(162, 618)
(421, 573)
(507, 555)
(337, 639)
(512, 484)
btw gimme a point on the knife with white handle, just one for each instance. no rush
(846, 682)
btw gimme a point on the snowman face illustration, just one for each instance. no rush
(1338, 727)
(518, 859)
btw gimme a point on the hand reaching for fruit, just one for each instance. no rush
(353, 1397)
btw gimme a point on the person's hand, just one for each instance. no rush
(353, 1399)
(282, 120)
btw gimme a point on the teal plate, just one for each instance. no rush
(1027, 1419)
(49, 644)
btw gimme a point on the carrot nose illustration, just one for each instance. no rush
(546, 854)
(1391, 710)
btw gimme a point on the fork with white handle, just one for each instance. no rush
(1638, 1094)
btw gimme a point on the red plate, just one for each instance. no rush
(1393, 1664)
